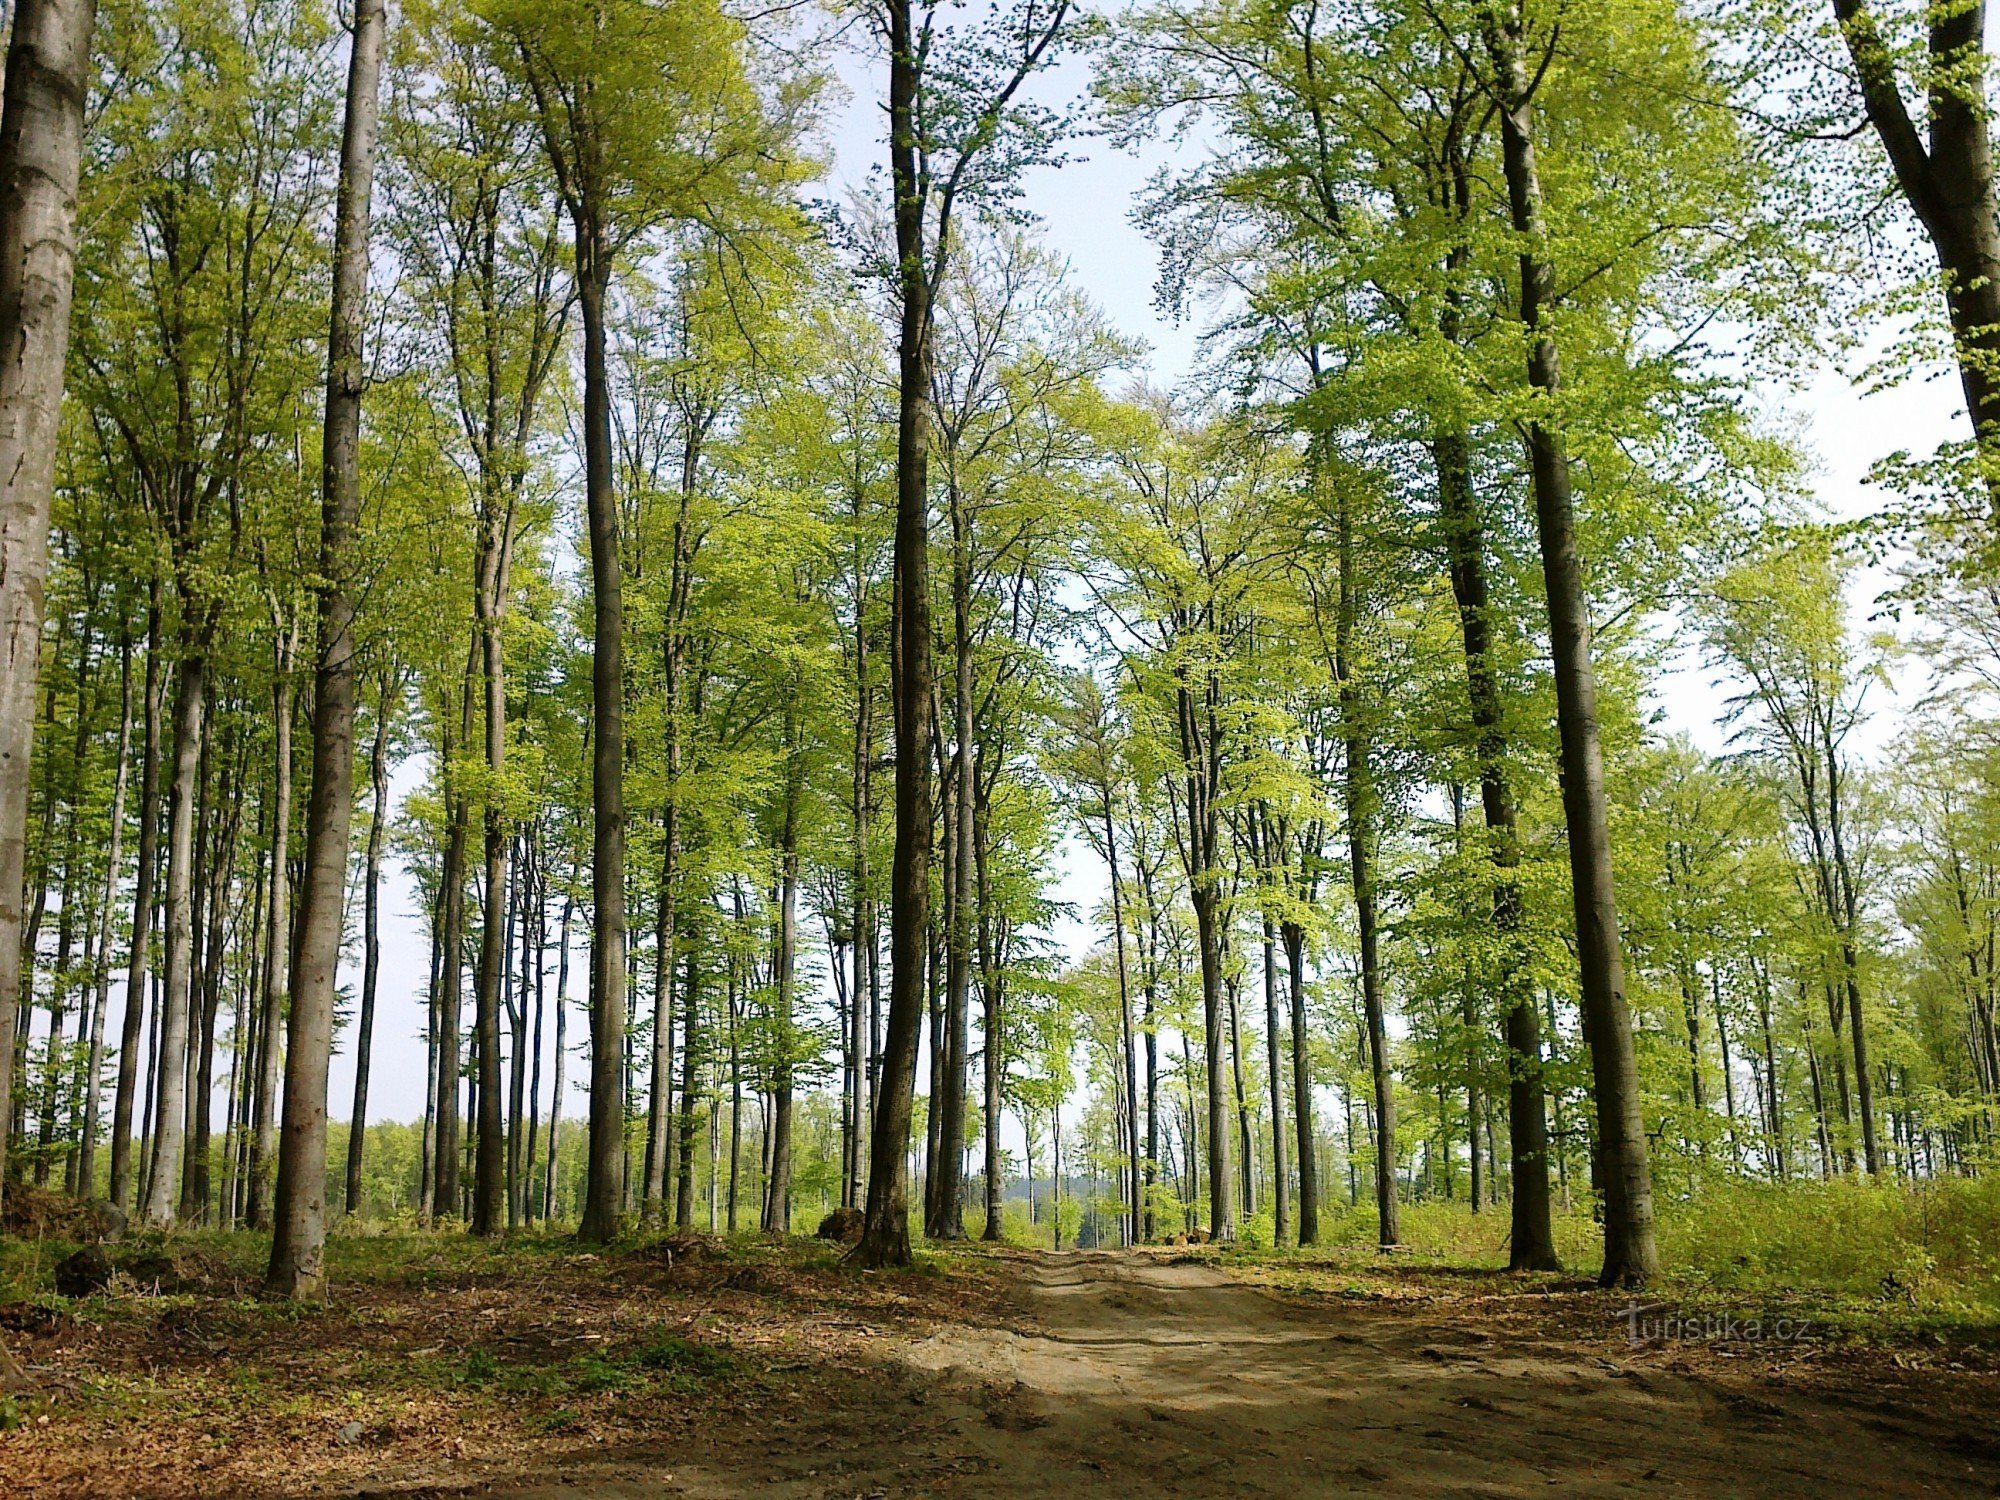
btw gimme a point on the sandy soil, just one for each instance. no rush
(1135, 1375)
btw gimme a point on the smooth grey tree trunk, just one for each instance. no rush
(778, 1198)
(1294, 936)
(604, 1188)
(86, 1171)
(685, 1125)
(450, 991)
(948, 1215)
(489, 1176)
(575, 153)
(1631, 1256)
(277, 940)
(1362, 805)
(1531, 1245)
(885, 1238)
(1281, 1187)
(371, 934)
(170, 1061)
(130, 1034)
(1208, 922)
(41, 147)
(298, 1247)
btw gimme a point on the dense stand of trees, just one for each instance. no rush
(731, 616)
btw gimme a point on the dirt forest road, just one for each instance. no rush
(1137, 1376)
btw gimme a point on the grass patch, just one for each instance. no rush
(1894, 1263)
(685, 1363)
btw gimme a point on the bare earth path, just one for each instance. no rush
(1137, 1376)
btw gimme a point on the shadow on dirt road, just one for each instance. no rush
(1131, 1374)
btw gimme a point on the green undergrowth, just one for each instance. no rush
(1896, 1262)
(361, 1254)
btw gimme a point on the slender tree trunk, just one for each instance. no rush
(48, 1109)
(604, 1197)
(1728, 1066)
(41, 146)
(530, 1209)
(885, 1237)
(213, 886)
(1186, 1170)
(154, 995)
(491, 601)
(940, 1054)
(445, 1173)
(1152, 1108)
(949, 1223)
(1477, 1184)
(24, 1015)
(1131, 1063)
(863, 915)
(86, 1172)
(553, 1176)
(490, 1162)
(277, 942)
(1056, 1171)
(517, 1017)
(1631, 1257)
(1245, 1141)
(1775, 1114)
(1691, 1021)
(660, 1100)
(1849, 917)
(1294, 936)
(993, 1045)
(863, 827)
(297, 1266)
(1361, 861)
(734, 998)
(1531, 1244)
(1221, 1192)
(169, 1071)
(992, 994)
(1281, 1186)
(1361, 809)
(690, 1021)
(371, 938)
(427, 1156)
(130, 1034)
(778, 1197)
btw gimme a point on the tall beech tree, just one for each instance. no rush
(298, 1246)
(1631, 1256)
(484, 247)
(646, 117)
(959, 131)
(41, 150)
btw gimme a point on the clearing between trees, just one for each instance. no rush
(693, 1367)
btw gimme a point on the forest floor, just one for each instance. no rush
(532, 1370)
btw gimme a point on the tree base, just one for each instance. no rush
(296, 1286)
(598, 1228)
(881, 1248)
